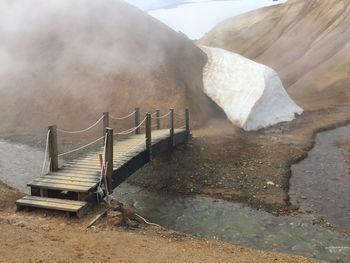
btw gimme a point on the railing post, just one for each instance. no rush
(158, 119)
(187, 119)
(105, 122)
(148, 136)
(137, 120)
(52, 148)
(109, 159)
(171, 116)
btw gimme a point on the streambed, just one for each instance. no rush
(232, 222)
(199, 215)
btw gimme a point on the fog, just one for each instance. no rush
(65, 62)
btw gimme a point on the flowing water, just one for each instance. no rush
(198, 215)
(321, 183)
(232, 222)
(19, 164)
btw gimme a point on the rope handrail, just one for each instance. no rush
(82, 147)
(46, 150)
(132, 129)
(84, 130)
(161, 117)
(180, 114)
(122, 118)
(179, 122)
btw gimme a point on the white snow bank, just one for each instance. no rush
(251, 94)
(195, 18)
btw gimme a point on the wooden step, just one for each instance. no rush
(76, 175)
(69, 206)
(71, 178)
(66, 181)
(63, 186)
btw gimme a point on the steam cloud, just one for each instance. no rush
(65, 62)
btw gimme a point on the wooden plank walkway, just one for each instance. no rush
(83, 175)
(75, 185)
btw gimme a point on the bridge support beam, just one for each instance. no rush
(105, 122)
(148, 137)
(109, 159)
(137, 120)
(52, 148)
(171, 119)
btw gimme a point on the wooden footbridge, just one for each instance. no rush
(87, 179)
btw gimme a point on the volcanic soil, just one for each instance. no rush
(249, 167)
(48, 237)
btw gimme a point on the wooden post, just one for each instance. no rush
(148, 137)
(52, 148)
(158, 119)
(109, 159)
(105, 122)
(187, 119)
(137, 120)
(171, 127)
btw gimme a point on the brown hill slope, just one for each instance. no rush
(65, 62)
(306, 41)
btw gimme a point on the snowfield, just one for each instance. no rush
(251, 94)
(195, 18)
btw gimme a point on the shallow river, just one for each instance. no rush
(321, 183)
(202, 216)
(232, 222)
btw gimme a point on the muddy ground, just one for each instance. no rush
(48, 237)
(225, 162)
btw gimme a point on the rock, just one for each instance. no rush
(113, 214)
(46, 227)
(20, 224)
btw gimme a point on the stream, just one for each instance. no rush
(235, 223)
(321, 183)
(319, 179)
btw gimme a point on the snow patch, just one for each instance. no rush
(251, 94)
(197, 17)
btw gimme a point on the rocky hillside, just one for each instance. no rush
(306, 41)
(66, 62)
